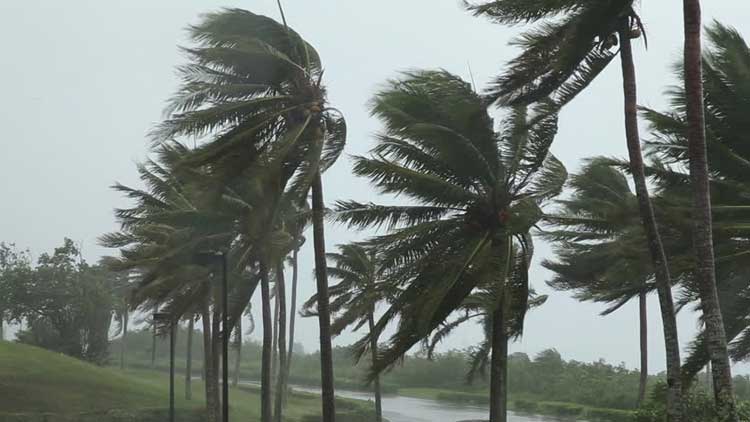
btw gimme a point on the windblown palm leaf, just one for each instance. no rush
(471, 192)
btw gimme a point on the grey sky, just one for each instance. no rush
(83, 81)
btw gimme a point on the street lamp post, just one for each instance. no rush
(167, 318)
(211, 258)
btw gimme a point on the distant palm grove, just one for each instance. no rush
(234, 188)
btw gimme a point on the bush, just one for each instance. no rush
(609, 415)
(561, 409)
(528, 406)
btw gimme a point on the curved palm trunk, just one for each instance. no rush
(211, 394)
(123, 338)
(702, 222)
(656, 248)
(499, 368)
(324, 313)
(376, 381)
(281, 302)
(189, 360)
(643, 317)
(265, 373)
(238, 350)
(292, 315)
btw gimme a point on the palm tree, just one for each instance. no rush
(598, 245)
(254, 87)
(476, 192)
(724, 72)
(561, 57)
(173, 222)
(355, 298)
(702, 221)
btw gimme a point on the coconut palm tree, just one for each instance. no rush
(562, 56)
(724, 75)
(253, 85)
(475, 192)
(355, 298)
(599, 246)
(702, 223)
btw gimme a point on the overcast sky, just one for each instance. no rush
(82, 81)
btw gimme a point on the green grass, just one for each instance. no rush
(34, 380)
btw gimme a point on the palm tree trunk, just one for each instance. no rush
(216, 351)
(265, 373)
(499, 368)
(648, 217)
(643, 317)
(123, 339)
(238, 350)
(281, 302)
(189, 360)
(292, 316)
(2, 326)
(376, 381)
(208, 365)
(702, 222)
(324, 313)
(153, 340)
(275, 335)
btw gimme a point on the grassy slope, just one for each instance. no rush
(34, 380)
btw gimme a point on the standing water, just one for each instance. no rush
(407, 409)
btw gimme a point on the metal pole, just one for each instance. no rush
(225, 339)
(171, 370)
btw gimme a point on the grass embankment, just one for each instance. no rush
(34, 381)
(527, 405)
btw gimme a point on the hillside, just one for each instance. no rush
(33, 379)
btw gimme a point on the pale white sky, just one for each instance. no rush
(83, 81)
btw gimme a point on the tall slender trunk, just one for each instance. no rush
(292, 318)
(643, 317)
(238, 352)
(499, 368)
(324, 313)
(376, 381)
(265, 373)
(123, 339)
(208, 365)
(216, 351)
(189, 360)
(275, 335)
(292, 312)
(281, 302)
(648, 217)
(2, 326)
(702, 222)
(153, 340)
